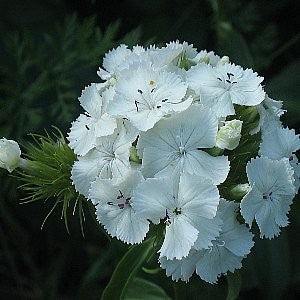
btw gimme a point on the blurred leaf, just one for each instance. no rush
(236, 47)
(234, 282)
(285, 87)
(147, 290)
(272, 264)
(127, 268)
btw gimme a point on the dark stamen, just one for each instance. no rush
(158, 106)
(87, 127)
(164, 100)
(140, 91)
(152, 90)
(136, 105)
(228, 81)
(219, 78)
(110, 203)
(121, 195)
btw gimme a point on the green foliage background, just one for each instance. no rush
(49, 50)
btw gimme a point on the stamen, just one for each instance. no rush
(158, 106)
(121, 195)
(228, 81)
(219, 78)
(151, 82)
(136, 105)
(177, 211)
(229, 74)
(87, 127)
(164, 100)
(140, 91)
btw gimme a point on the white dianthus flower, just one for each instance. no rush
(282, 142)
(271, 194)
(270, 112)
(144, 95)
(224, 85)
(113, 201)
(94, 123)
(187, 206)
(176, 144)
(226, 253)
(109, 159)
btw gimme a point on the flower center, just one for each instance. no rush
(268, 196)
(121, 201)
(177, 211)
(227, 81)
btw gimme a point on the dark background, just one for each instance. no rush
(49, 50)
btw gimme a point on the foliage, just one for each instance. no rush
(47, 175)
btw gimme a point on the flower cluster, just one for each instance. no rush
(155, 143)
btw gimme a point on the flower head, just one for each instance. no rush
(10, 154)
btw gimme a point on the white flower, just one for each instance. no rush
(94, 123)
(113, 201)
(270, 112)
(10, 154)
(109, 159)
(279, 143)
(174, 145)
(144, 95)
(229, 135)
(224, 85)
(282, 142)
(186, 206)
(271, 194)
(229, 249)
(226, 253)
(112, 62)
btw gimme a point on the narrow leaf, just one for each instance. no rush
(127, 268)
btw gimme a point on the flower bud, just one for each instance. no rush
(229, 135)
(9, 154)
(224, 60)
(239, 191)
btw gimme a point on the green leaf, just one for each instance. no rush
(148, 289)
(237, 49)
(127, 268)
(234, 282)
